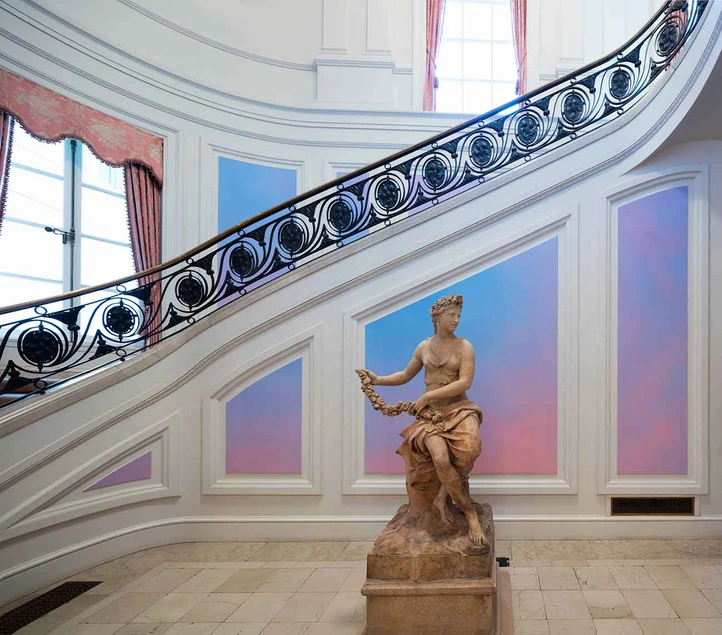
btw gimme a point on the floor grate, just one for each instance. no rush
(34, 609)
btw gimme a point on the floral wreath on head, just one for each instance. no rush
(438, 307)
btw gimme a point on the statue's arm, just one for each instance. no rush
(403, 376)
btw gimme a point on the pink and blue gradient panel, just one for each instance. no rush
(139, 469)
(246, 189)
(263, 424)
(652, 335)
(510, 317)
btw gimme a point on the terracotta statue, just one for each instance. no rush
(443, 442)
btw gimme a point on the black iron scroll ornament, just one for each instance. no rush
(54, 340)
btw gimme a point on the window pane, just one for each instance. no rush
(504, 93)
(17, 290)
(504, 63)
(448, 63)
(502, 21)
(97, 173)
(104, 215)
(101, 262)
(477, 97)
(477, 60)
(477, 21)
(452, 20)
(37, 154)
(34, 197)
(448, 96)
(30, 251)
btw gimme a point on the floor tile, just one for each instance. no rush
(325, 581)
(170, 608)
(690, 603)
(558, 579)
(527, 605)
(356, 551)
(95, 629)
(551, 550)
(297, 628)
(595, 578)
(192, 629)
(254, 628)
(607, 604)
(205, 581)
(143, 629)
(245, 581)
(572, 627)
(649, 604)
(300, 551)
(704, 577)
(565, 605)
(285, 580)
(669, 577)
(216, 607)
(166, 581)
(698, 548)
(531, 627)
(524, 582)
(260, 607)
(345, 607)
(715, 597)
(618, 627)
(704, 626)
(354, 582)
(335, 629)
(632, 578)
(664, 627)
(125, 608)
(304, 607)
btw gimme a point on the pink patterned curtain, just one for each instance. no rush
(518, 23)
(51, 117)
(434, 22)
(6, 146)
(142, 192)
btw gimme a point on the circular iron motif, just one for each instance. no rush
(340, 216)
(119, 320)
(527, 130)
(39, 347)
(481, 151)
(619, 84)
(435, 173)
(291, 237)
(388, 193)
(189, 291)
(668, 38)
(573, 108)
(241, 261)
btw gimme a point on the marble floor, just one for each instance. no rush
(570, 587)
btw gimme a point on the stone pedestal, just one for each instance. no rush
(424, 577)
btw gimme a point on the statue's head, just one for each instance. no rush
(451, 301)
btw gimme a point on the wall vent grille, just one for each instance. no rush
(681, 506)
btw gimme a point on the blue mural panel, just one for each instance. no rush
(246, 189)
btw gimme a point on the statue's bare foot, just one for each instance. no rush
(476, 535)
(444, 512)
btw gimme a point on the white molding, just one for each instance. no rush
(330, 168)
(334, 26)
(208, 170)
(65, 499)
(696, 179)
(305, 346)
(564, 227)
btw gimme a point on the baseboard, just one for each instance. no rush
(39, 572)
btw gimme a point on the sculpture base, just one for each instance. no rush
(424, 577)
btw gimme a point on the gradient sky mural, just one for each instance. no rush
(510, 317)
(263, 424)
(139, 469)
(246, 189)
(652, 335)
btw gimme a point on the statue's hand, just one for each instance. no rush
(372, 376)
(420, 404)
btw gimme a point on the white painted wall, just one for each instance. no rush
(48, 530)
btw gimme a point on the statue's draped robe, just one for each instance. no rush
(459, 427)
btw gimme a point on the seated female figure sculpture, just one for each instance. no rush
(443, 442)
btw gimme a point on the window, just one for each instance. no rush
(476, 65)
(65, 224)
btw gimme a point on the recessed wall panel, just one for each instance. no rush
(263, 424)
(139, 469)
(246, 189)
(510, 317)
(652, 335)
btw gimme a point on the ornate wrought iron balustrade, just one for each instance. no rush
(50, 341)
